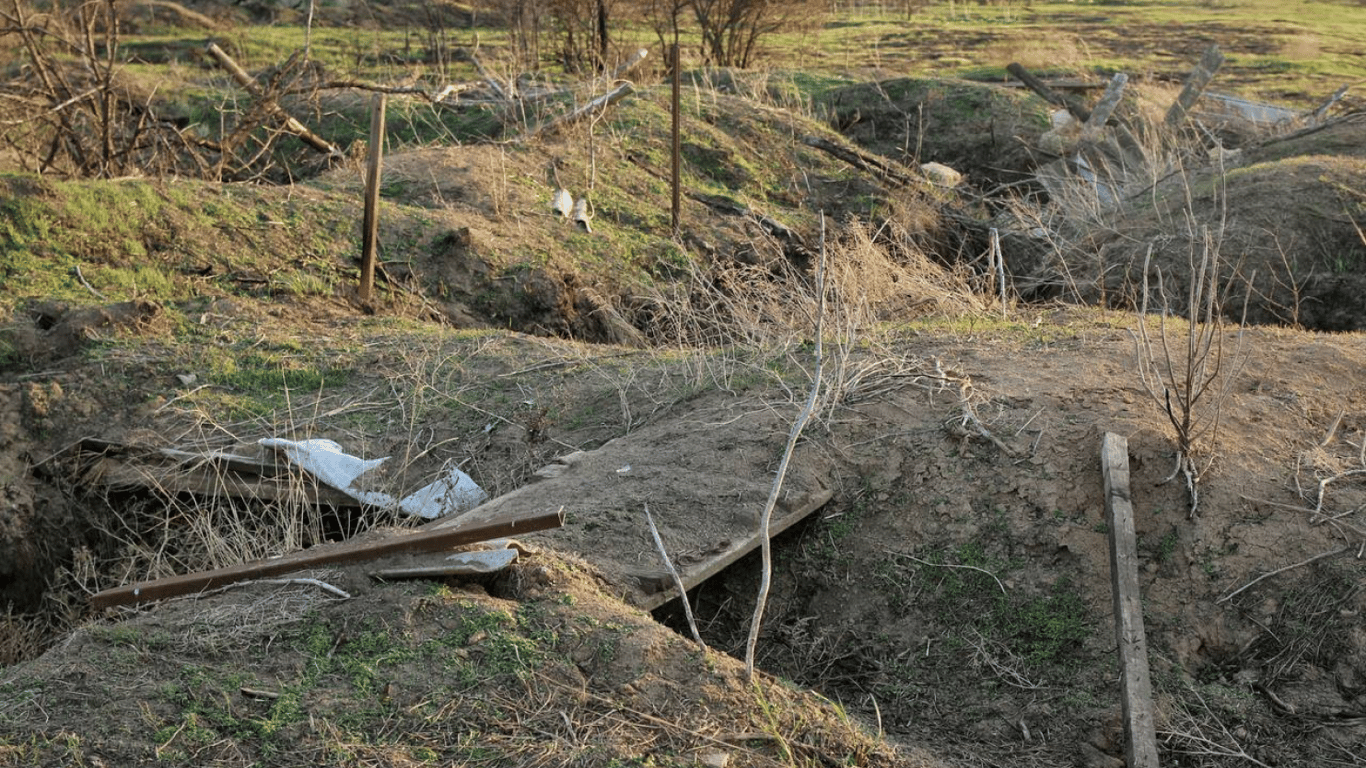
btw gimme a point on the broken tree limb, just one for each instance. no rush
(770, 225)
(1322, 110)
(1048, 94)
(1269, 574)
(495, 85)
(596, 105)
(252, 87)
(1196, 83)
(882, 168)
(324, 554)
(631, 63)
(1135, 683)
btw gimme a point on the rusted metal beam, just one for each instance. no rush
(325, 554)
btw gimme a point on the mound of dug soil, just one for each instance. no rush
(1281, 222)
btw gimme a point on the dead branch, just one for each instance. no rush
(678, 580)
(885, 170)
(949, 565)
(1315, 558)
(250, 85)
(597, 105)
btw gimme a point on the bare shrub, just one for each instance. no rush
(1189, 373)
(731, 29)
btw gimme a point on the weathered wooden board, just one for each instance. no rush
(1135, 685)
(705, 490)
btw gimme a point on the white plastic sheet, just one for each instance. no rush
(325, 460)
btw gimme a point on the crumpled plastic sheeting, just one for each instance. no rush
(325, 460)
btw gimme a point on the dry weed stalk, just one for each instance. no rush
(1189, 377)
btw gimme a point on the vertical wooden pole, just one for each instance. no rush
(1135, 685)
(370, 226)
(675, 65)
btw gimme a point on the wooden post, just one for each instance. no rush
(370, 225)
(1135, 685)
(1048, 94)
(1195, 85)
(676, 78)
(1109, 100)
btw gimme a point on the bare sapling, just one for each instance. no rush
(765, 545)
(1189, 375)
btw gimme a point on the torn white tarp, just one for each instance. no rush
(325, 460)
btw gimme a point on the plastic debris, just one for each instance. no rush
(325, 460)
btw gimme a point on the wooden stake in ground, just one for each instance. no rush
(1135, 685)
(370, 226)
(1195, 85)
(675, 146)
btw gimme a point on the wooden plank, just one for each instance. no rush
(1135, 683)
(1196, 83)
(325, 554)
(213, 482)
(695, 575)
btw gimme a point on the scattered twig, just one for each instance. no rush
(678, 580)
(948, 565)
(1317, 557)
(1007, 674)
(305, 582)
(88, 286)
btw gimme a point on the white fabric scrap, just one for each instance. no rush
(325, 460)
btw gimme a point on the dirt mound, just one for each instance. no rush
(1280, 219)
(984, 131)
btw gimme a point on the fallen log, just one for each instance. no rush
(252, 87)
(882, 168)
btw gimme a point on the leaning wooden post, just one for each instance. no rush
(1195, 85)
(370, 225)
(1109, 100)
(1135, 684)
